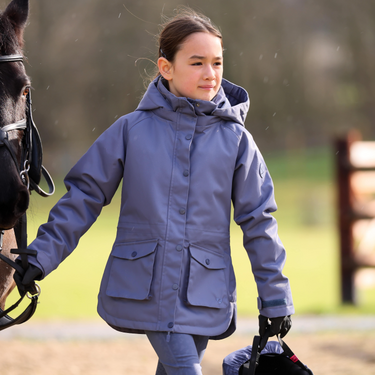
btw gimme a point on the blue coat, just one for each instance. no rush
(183, 163)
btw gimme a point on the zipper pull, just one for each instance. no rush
(168, 336)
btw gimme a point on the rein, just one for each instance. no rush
(5, 320)
(30, 172)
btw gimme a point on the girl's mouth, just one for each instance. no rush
(207, 87)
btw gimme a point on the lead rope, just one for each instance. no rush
(5, 320)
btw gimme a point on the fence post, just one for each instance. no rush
(345, 221)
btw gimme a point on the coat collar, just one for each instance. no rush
(231, 103)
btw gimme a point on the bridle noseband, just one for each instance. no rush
(19, 125)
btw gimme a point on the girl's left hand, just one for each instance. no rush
(274, 326)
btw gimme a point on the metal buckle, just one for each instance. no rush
(37, 294)
(24, 174)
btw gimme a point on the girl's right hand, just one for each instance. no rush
(25, 283)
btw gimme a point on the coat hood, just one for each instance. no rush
(231, 102)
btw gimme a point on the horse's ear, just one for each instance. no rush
(17, 12)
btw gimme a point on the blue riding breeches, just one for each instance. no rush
(179, 353)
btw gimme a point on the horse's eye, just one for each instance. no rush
(26, 91)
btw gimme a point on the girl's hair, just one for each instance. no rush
(177, 29)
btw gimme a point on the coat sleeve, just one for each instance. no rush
(254, 202)
(90, 185)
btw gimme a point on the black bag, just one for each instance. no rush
(273, 358)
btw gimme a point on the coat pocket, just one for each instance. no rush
(207, 284)
(132, 270)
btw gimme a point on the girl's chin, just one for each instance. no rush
(207, 95)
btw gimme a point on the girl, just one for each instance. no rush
(184, 155)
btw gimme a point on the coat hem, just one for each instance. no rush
(126, 326)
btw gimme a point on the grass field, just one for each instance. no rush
(305, 192)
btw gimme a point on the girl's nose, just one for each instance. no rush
(209, 73)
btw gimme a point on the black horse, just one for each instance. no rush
(20, 146)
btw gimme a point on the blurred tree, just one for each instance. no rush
(307, 65)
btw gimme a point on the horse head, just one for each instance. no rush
(21, 152)
(14, 88)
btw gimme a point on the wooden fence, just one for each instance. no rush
(355, 165)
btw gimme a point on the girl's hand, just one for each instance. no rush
(274, 326)
(25, 283)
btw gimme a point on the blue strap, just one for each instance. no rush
(273, 303)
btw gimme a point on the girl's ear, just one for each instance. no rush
(165, 68)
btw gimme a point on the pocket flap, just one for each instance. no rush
(134, 250)
(207, 258)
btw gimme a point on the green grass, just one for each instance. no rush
(305, 192)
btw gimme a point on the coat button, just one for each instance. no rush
(170, 325)
(134, 254)
(198, 105)
(208, 262)
(178, 247)
(175, 286)
(188, 137)
(182, 211)
(186, 173)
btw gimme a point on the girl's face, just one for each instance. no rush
(197, 69)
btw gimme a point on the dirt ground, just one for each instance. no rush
(325, 353)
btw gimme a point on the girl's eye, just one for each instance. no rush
(26, 91)
(196, 64)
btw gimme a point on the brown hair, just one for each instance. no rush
(176, 29)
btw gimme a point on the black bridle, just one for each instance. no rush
(19, 125)
(31, 167)
(30, 172)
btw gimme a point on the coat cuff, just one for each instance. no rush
(34, 262)
(275, 308)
